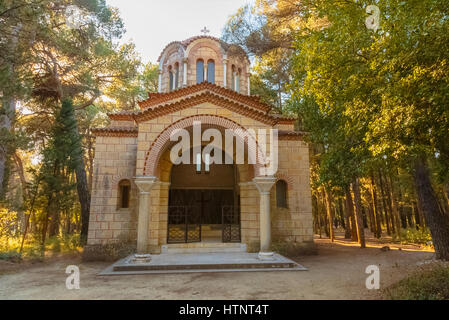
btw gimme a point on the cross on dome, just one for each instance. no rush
(205, 31)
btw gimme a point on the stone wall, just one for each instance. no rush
(115, 160)
(118, 158)
(295, 223)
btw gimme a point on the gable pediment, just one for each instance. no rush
(160, 104)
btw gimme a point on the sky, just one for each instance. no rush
(152, 24)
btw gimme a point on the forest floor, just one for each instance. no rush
(336, 272)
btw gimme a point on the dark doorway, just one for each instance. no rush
(203, 204)
(195, 215)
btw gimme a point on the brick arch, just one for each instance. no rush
(119, 177)
(168, 49)
(213, 44)
(159, 145)
(287, 179)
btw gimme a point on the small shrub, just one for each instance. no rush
(13, 256)
(54, 245)
(430, 284)
(414, 236)
(108, 252)
(294, 249)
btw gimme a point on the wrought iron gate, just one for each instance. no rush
(231, 223)
(184, 224)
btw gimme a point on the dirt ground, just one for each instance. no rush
(336, 272)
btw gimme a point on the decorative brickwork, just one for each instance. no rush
(158, 146)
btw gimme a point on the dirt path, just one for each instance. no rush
(337, 272)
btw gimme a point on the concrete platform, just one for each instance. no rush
(201, 262)
(203, 247)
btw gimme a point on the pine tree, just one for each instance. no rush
(60, 159)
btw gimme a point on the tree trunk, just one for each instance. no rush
(90, 154)
(324, 213)
(350, 212)
(84, 198)
(384, 204)
(21, 173)
(358, 213)
(341, 213)
(7, 116)
(347, 221)
(330, 214)
(44, 234)
(378, 228)
(436, 220)
(317, 215)
(394, 205)
(372, 225)
(82, 186)
(390, 206)
(8, 110)
(54, 224)
(446, 194)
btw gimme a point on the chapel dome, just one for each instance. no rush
(203, 59)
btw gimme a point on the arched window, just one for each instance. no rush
(281, 194)
(237, 80)
(176, 86)
(233, 77)
(124, 188)
(199, 71)
(211, 71)
(171, 79)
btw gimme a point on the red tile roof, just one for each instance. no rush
(290, 135)
(116, 132)
(204, 92)
(157, 98)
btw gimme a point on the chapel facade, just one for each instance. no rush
(140, 195)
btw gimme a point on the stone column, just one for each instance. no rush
(248, 80)
(264, 184)
(145, 184)
(159, 88)
(184, 77)
(225, 72)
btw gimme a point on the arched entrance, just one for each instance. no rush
(246, 221)
(203, 204)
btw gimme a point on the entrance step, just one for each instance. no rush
(203, 247)
(211, 234)
(202, 262)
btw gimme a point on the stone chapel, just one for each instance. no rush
(140, 196)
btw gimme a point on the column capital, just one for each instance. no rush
(145, 184)
(264, 183)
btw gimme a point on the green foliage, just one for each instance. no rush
(251, 29)
(378, 94)
(64, 244)
(430, 284)
(59, 159)
(44, 63)
(8, 223)
(10, 256)
(260, 88)
(414, 236)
